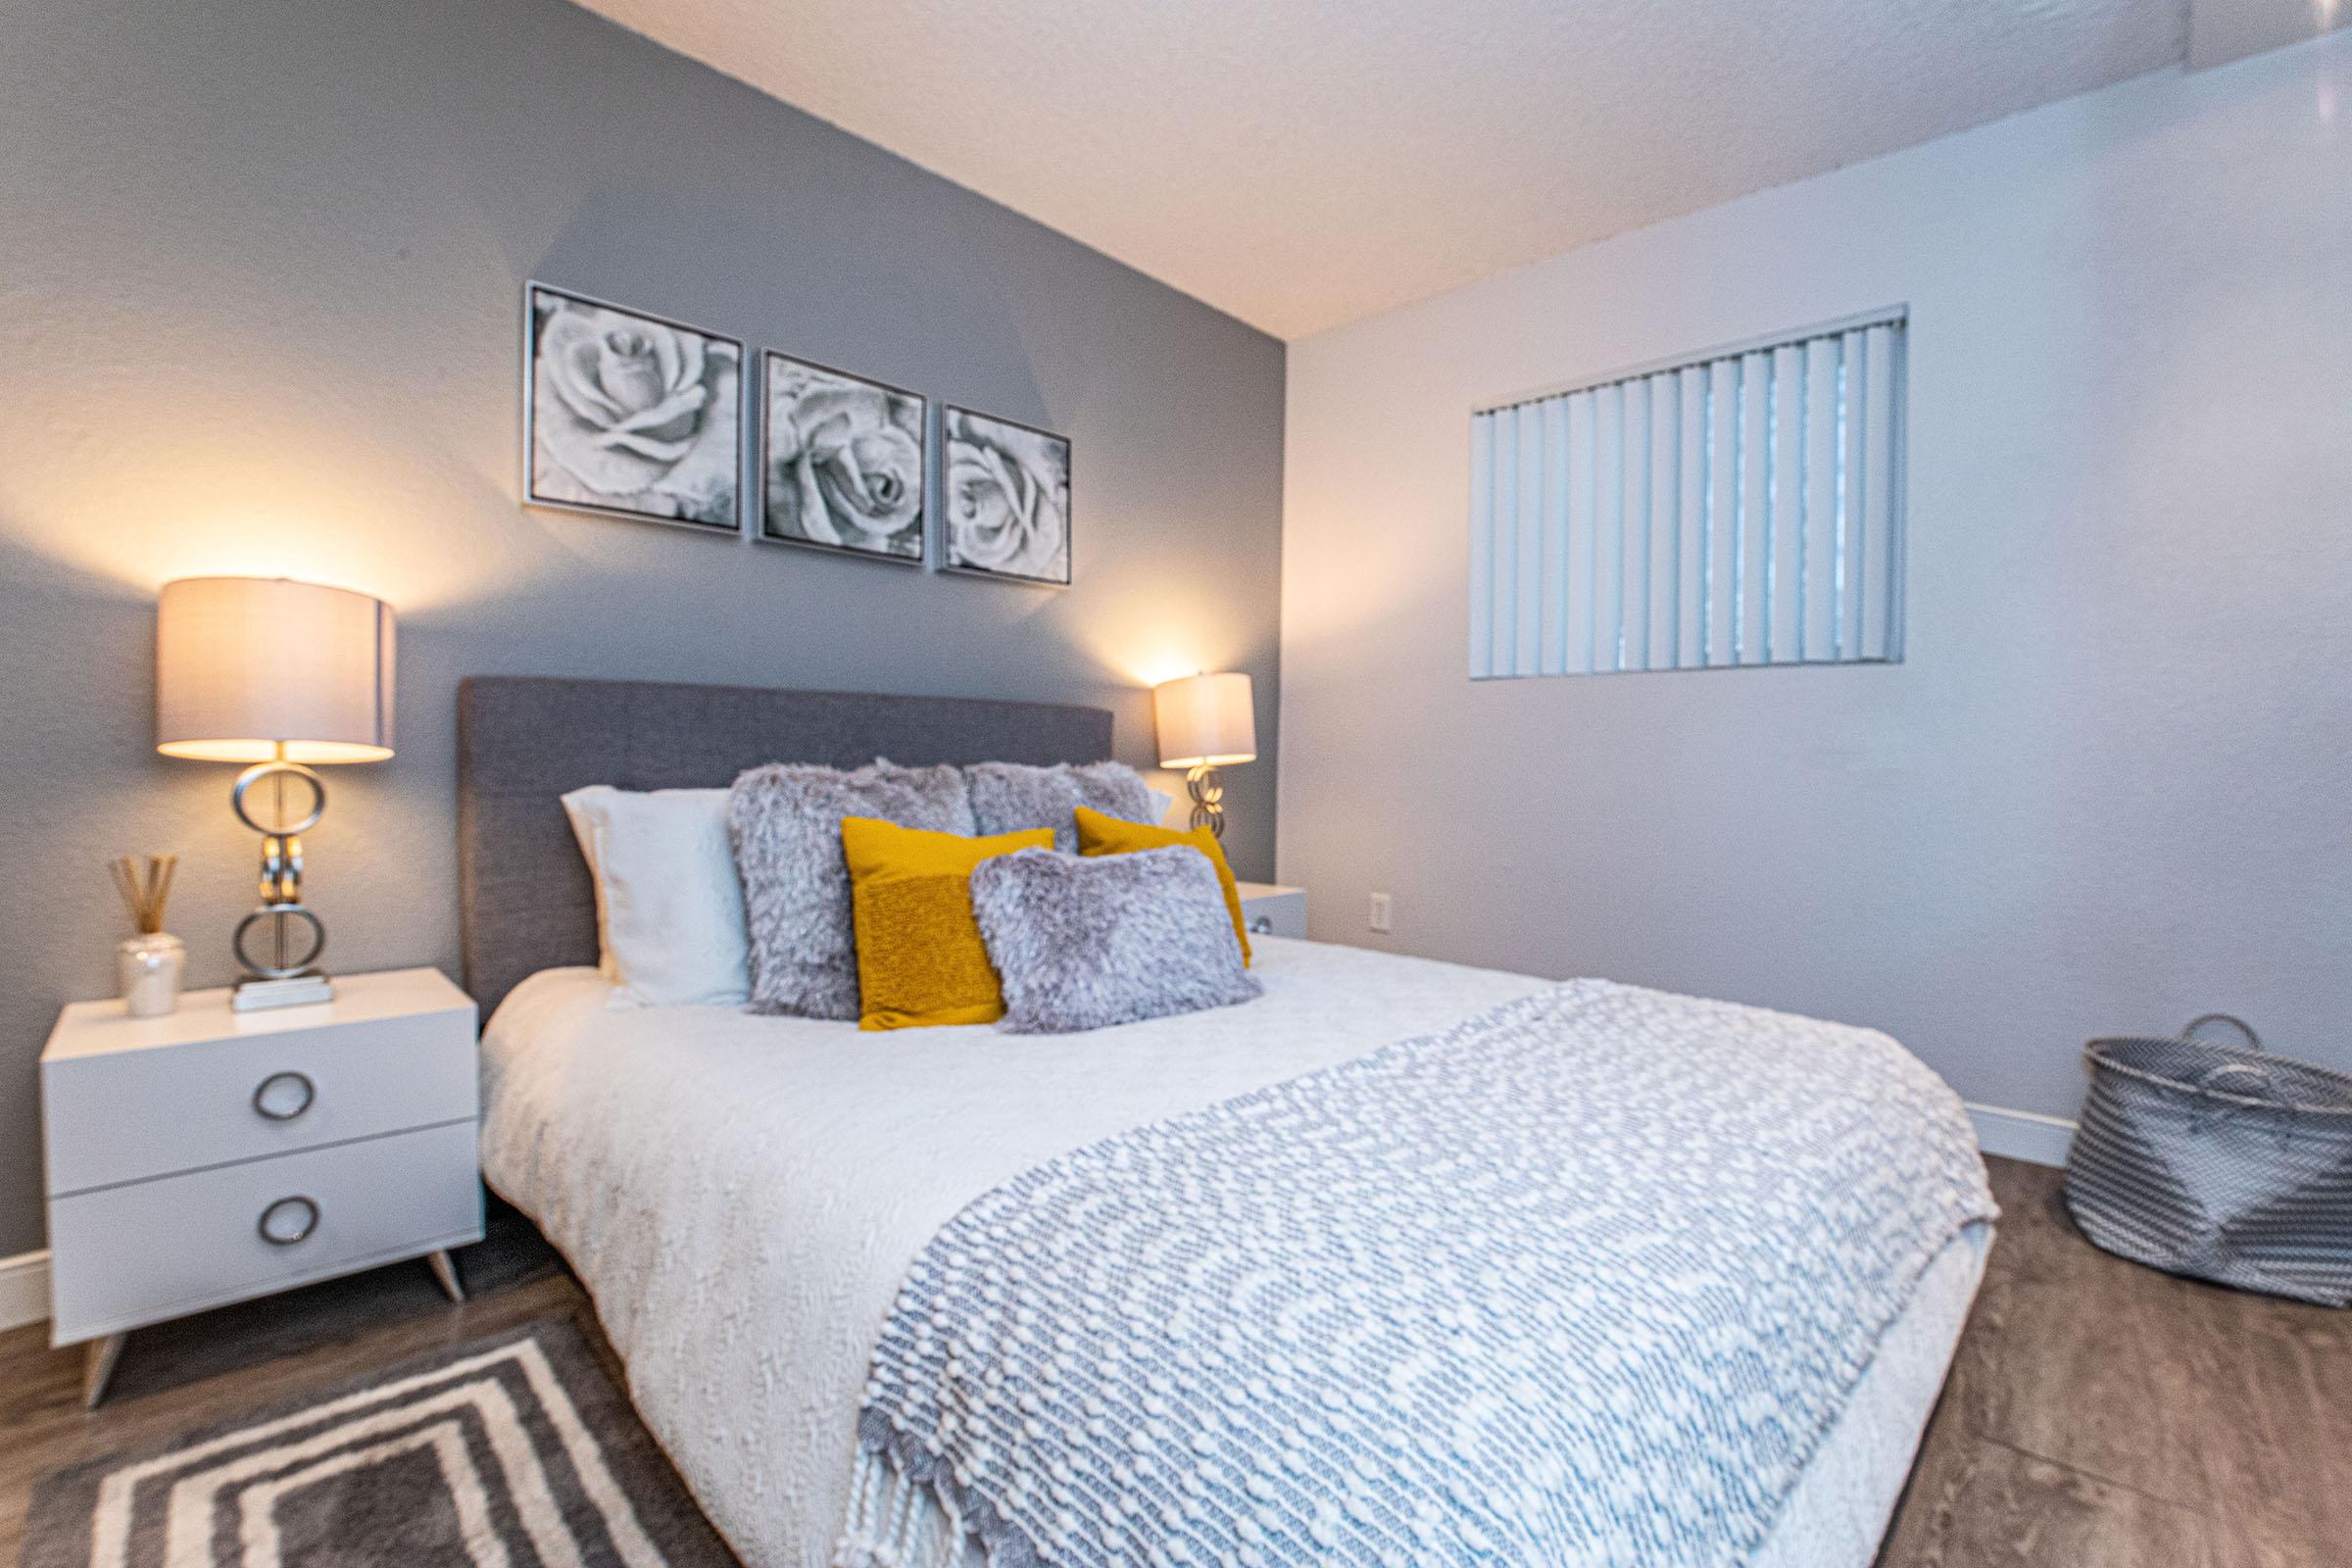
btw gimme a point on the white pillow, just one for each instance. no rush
(668, 904)
(583, 833)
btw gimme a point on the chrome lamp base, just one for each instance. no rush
(280, 941)
(1207, 787)
(295, 991)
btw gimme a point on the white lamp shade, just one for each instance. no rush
(247, 666)
(1205, 721)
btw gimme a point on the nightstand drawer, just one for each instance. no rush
(132, 1254)
(1270, 909)
(131, 1115)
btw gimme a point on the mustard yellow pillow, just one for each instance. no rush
(1109, 835)
(920, 959)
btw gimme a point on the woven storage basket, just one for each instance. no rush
(2217, 1162)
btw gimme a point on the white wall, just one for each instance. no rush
(2107, 789)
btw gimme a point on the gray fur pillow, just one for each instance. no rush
(786, 822)
(1013, 797)
(1080, 944)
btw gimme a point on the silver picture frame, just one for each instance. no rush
(1002, 501)
(861, 453)
(584, 441)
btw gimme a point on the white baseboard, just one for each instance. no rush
(2022, 1134)
(23, 1288)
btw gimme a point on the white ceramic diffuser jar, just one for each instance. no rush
(151, 965)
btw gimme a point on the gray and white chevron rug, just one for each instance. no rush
(510, 1451)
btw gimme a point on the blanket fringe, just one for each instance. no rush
(896, 1522)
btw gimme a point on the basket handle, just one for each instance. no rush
(2189, 1030)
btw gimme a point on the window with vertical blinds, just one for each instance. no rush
(1740, 508)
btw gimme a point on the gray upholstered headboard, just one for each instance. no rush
(525, 903)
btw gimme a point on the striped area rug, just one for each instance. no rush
(512, 1451)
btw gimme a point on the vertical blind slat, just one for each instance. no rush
(1557, 579)
(1691, 541)
(1755, 522)
(1855, 362)
(1877, 517)
(1503, 584)
(1663, 395)
(1608, 526)
(1633, 563)
(1527, 621)
(1786, 573)
(1577, 475)
(1633, 531)
(1723, 521)
(1482, 544)
(1660, 529)
(1896, 535)
(1738, 509)
(1820, 621)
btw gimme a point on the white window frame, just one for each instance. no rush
(1765, 537)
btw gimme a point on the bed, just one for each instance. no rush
(743, 1196)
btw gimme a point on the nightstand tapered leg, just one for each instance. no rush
(98, 1359)
(445, 1269)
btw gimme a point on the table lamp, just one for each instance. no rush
(285, 676)
(1205, 722)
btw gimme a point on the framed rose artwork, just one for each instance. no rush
(841, 462)
(629, 414)
(1006, 499)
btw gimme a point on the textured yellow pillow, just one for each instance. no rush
(920, 959)
(1109, 835)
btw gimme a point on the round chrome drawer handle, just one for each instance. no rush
(289, 1222)
(1262, 926)
(272, 1098)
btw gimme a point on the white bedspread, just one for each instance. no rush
(742, 1194)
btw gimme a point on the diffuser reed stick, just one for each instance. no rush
(144, 893)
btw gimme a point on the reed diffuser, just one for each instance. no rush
(151, 962)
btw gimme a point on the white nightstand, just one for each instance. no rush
(1271, 909)
(213, 1155)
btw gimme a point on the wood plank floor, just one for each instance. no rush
(2098, 1415)
(2102, 1413)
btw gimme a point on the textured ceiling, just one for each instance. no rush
(1304, 162)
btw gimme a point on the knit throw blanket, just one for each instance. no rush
(1582, 1280)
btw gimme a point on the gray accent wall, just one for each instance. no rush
(261, 274)
(2105, 791)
